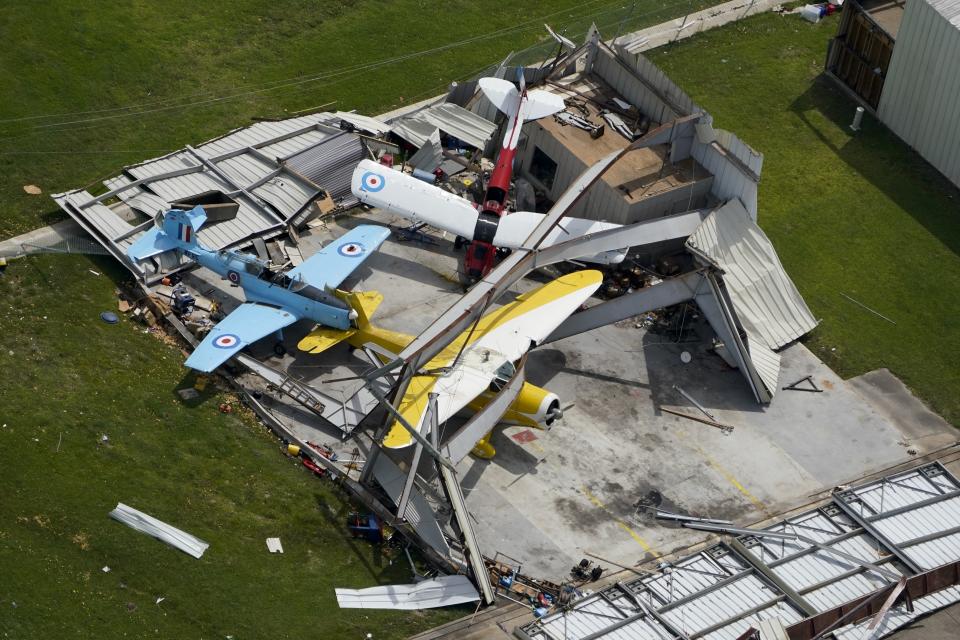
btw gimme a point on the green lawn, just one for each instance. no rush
(859, 214)
(68, 378)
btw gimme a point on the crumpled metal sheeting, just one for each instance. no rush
(160, 530)
(440, 592)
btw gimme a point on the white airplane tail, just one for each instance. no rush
(504, 96)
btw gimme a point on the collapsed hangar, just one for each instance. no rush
(732, 273)
(689, 191)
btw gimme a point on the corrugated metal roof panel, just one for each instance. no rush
(949, 9)
(365, 123)
(330, 164)
(716, 589)
(899, 616)
(763, 295)
(416, 132)
(460, 123)
(766, 361)
(259, 133)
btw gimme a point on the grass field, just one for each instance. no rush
(855, 214)
(194, 70)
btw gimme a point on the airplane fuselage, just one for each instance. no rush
(530, 408)
(262, 286)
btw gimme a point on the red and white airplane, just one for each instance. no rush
(485, 224)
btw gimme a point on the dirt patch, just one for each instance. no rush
(81, 540)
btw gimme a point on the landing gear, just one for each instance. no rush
(279, 350)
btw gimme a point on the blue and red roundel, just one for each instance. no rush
(372, 182)
(226, 341)
(351, 250)
(233, 277)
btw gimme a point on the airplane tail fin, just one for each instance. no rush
(177, 231)
(503, 94)
(363, 305)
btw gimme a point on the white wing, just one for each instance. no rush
(516, 227)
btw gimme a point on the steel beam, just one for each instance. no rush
(665, 294)
(675, 227)
(880, 537)
(448, 478)
(793, 597)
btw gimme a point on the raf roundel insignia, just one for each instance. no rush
(226, 341)
(233, 277)
(372, 182)
(351, 250)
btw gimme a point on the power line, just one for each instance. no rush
(294, 80)
(344, 73)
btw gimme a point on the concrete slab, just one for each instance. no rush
(577, 488)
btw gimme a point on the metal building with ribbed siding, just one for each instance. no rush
(902, 61)
(921, 95)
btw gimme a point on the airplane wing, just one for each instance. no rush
(247, 323)
(331, 265)
(516, 227)
(379, 186)
(501, 336)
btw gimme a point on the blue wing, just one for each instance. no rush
(331, 265)
(248, 323)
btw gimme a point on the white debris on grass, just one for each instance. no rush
(159, 530)
(274, 546)
(439, 592)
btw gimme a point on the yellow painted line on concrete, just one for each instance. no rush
(732, 480)
(623, 525)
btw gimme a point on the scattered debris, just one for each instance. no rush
(443, 591)
(32, 189)
(725, 428)
(524, 437)
(159, 600)
(105, 569)
(162, 531)
(188, 394)
(104, 438)
(586, 570)
(695, 403)
(96, 273)
(661, 514)
(795, 386)
(274, 546)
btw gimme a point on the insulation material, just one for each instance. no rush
(160, 530)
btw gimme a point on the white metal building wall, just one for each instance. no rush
(921, 94)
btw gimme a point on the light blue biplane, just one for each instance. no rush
(273, 300)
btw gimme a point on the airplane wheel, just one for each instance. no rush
(279, 350)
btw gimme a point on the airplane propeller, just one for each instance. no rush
(557, 412)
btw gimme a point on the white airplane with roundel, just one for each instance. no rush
(488, 222)
(273, 300)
